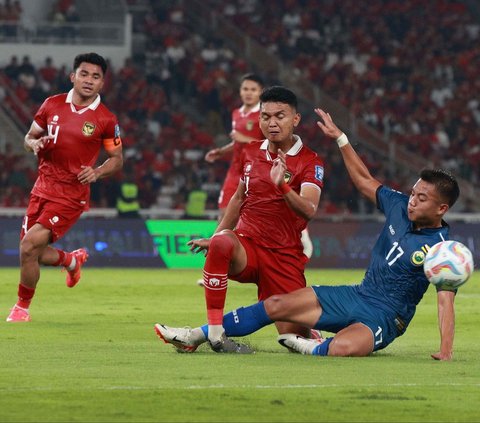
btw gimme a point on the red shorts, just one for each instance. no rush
(57, 217)
(229, 187)
(275, 271)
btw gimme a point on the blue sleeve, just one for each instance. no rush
(388, 198)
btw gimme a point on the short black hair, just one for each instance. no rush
(279, 94)
(444, 182)
(252, 77)
(93, 58)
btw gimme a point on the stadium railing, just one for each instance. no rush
(112, 34)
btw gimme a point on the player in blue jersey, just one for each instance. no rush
(369, 316)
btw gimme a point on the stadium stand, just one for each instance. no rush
(411, 80)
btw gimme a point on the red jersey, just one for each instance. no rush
(265, 216)
(247, 124)
(78, 138)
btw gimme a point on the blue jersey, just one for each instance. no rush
(395, 279)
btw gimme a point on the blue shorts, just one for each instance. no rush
(343, 306)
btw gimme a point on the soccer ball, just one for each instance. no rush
(448, 264)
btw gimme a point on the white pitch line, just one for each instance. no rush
(212, 387)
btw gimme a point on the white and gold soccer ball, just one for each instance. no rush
(448, 264)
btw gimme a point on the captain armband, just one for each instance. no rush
(112, 143)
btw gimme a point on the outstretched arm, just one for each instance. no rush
(357, 170)
(229, 220)
(232, 212)
(216, 153)
(238, 136)
(446, 324)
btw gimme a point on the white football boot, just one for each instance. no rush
(298, 344)
(180, 338)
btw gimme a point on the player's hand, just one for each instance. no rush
(277, 173)
(326, 124)
(87, 175)
(213, 155)
(198, 245)
(442, 356)
(43, 143)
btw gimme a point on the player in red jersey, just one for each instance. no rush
(277, 195)
(245, 128)
(67, 135)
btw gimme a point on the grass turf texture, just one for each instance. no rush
(90, 354)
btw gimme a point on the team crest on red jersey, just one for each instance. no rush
(287, 177)
(249, 125)
(88, 129)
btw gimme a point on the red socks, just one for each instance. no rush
(64, 258)
(25, 295)
(215, 274)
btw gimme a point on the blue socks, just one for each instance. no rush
(244, 320)
(322, 349)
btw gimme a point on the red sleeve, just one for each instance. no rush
(41, 115)
(313, 173)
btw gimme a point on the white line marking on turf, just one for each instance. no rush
(198, 387)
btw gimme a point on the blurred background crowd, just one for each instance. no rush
(407, 69)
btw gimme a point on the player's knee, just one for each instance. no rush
(222, 243)
(275, 307)
(28, 250)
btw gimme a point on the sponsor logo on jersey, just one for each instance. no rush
(249, 125)
(319, 173)
(418, 257)
(54, 220)
(88, 129)
(287, 177)
(392, 231)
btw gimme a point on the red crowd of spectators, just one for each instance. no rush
(407, 68)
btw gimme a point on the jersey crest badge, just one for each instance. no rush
(418, 257)
(249, 125)
(319, 173)
(287, 177)
(88, 129)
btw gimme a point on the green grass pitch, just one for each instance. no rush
(90, 354)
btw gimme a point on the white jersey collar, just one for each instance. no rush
(92, 106)
(294, 149)
(255, 108)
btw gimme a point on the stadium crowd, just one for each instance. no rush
(408, 68)
(410, 75)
